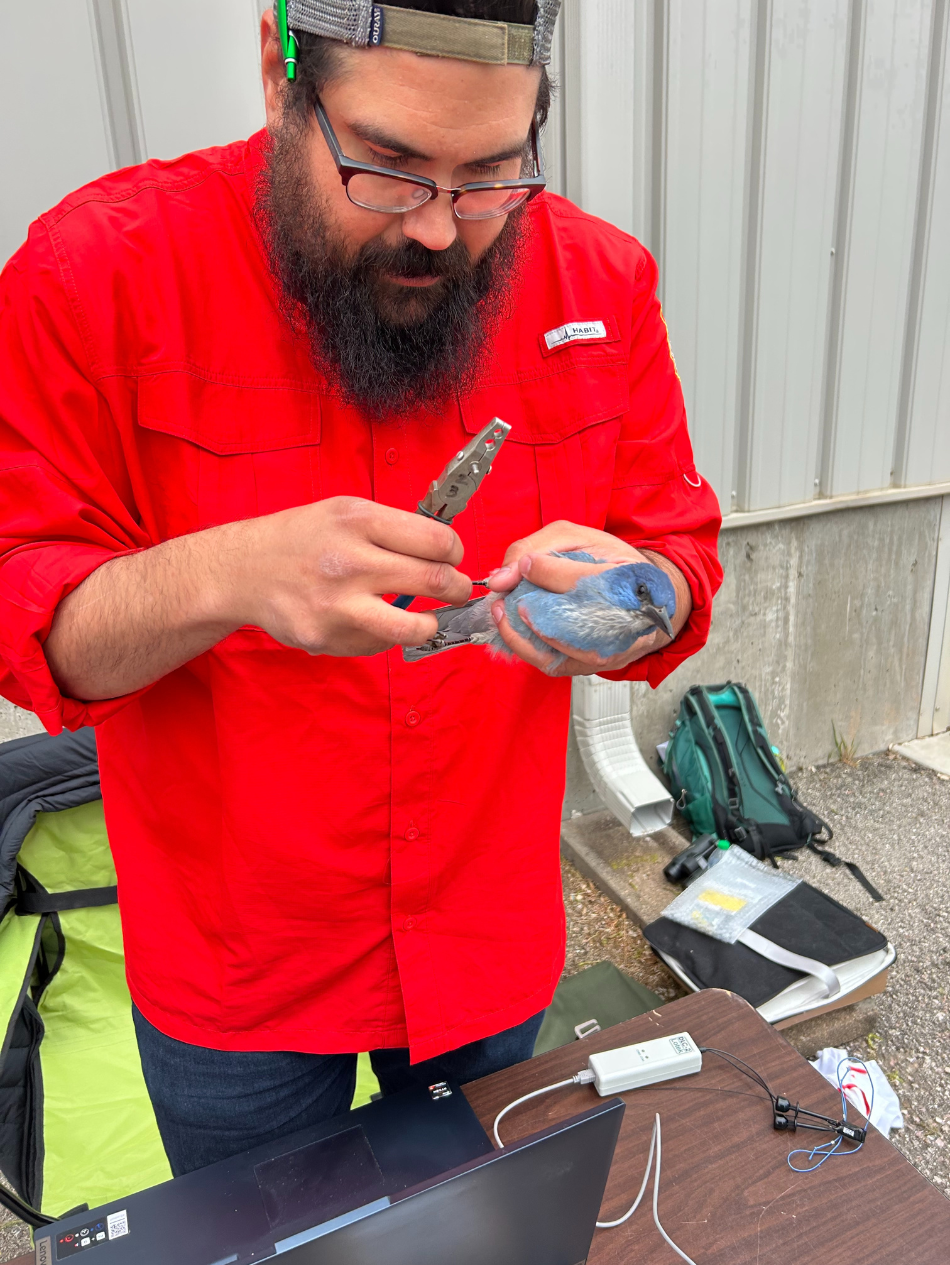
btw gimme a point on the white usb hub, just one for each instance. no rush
(635, 1065)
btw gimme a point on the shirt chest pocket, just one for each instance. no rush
(213, 453)
(558, 460)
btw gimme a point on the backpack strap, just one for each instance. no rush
(794, 961)
(730, 819)
(832, 859)
(31, 897)
(816, 830)
(723, 751)
(756, 727)
(57, 902)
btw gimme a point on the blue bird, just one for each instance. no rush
(604, 614)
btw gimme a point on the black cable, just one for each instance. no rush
(781, 1107)
(740, 1065)
(20, 1208)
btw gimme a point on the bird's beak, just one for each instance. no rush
(657, 615)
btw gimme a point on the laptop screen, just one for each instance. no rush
(533, 1203)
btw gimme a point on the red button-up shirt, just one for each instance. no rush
(316, 853)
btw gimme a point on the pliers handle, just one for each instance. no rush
(459, 481)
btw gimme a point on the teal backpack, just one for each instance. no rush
(728, 780)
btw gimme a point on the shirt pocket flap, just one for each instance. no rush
(226, 419)
(551, 407)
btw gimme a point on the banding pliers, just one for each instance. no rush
(453, 489)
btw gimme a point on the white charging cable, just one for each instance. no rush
(586, 1077)
(655, 1141)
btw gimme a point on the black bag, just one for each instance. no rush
(806, 922)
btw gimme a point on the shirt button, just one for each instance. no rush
(408, 924)
(412, 718)
(392, 456)
(412, 834)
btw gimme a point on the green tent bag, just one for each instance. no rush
(76, 1124)
(590, 1001)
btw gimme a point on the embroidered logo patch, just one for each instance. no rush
(574, 332)
(376, 26)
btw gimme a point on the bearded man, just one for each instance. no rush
(226, 383)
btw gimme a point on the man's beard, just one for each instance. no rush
(387, 348)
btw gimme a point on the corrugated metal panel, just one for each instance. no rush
(605, 72)
(54, 137)
(928, 440)
(707, 76)
(741, 140)
(890, 95)
(804, 49)
(197, 70)
(789, 163)
(116, 81)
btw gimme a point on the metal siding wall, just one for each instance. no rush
(889, 109)
(54, 136)
(197, 70)
(707, 73)
(928, 456)
(120, 81)
(603, 70)
(787, 163)
(553, 138)
(806, 49)
(740, 140)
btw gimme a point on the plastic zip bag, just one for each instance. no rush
(726, 900)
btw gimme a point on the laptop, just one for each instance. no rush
(411, 1179)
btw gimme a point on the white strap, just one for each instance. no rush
(775, 953)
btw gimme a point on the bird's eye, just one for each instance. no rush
(642, 591)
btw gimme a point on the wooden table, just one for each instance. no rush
(727, 1195)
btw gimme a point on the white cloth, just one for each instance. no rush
(857, 1083)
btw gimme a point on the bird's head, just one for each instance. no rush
(640, 586)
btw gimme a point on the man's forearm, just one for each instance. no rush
(138, 617)
(312, 577)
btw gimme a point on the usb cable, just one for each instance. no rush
(586, 1077)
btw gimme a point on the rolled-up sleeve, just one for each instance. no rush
(659, 502)
(61, 511)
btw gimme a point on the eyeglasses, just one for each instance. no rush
(396, 192)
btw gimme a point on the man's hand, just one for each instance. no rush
(312, 577)
(530, 559)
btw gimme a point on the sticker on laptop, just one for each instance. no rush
(604, 331)
(118, 1223)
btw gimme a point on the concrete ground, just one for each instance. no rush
(14, 1240)
(893, 818)
(599, 931)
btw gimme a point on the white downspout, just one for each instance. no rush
(619, 773)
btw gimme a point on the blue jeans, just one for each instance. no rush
(210, 1104)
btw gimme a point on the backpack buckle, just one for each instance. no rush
(586, 1029)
